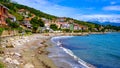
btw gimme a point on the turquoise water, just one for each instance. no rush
(100, 50)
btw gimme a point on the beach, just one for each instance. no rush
(26, 52)
(33, 51)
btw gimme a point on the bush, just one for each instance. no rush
(2, 65)
(27, 31)
(66, 30)
(20, 29)
(1, 30)
(54, 26)
(35, 21)
(77, 31)
(13, 25)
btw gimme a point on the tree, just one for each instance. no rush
(37, 22)
(35, 27)
(6, 1)
(54, 26)
(13, 25)
(41, 23)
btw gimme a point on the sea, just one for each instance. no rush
(90, 51)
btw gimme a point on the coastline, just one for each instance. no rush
(56, 58)
(63, 57)
(21, 51)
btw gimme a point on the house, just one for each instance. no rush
(44, 29)
(12, 18)
(71, 26)
(76, 27)
(26, 23)
(61, 19)
(83, 27)
(3, 14)
(47, 23)
(62, 23)
(24, 12)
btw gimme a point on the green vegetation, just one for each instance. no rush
(112, 27)
(17, 15)
(37, 22)
(1, 30)
(13, 25)
(6, 1)
(28, 32)
(20, 29)
(15, 7)
(66, 30)
(54, 27)
(2, 65)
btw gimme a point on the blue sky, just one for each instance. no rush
(78, 9)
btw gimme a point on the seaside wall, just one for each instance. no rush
(9, 33)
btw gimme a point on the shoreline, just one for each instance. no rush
(93, 34)
(58, 56)
(18, 49)
(69, 52)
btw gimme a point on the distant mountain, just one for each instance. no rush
(106, 21)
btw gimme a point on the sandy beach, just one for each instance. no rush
(26, 52)
(31, 51)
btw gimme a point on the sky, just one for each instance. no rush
(78, 9)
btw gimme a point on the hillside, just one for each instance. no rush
(14, 8)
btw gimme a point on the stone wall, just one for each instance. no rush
(9, 33)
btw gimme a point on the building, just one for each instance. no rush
(3, 14)
(76, 27)
(61, 19)
(47, 23)
(71, 27)
(26, 23)
(81, 27)
(12, 18)
(24, 12)
(62, 23)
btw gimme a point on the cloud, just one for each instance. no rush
(48, 7)
(112, 3)
(112, 8)
(100, 17)
(82, 13)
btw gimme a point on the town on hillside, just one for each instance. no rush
(21, 20)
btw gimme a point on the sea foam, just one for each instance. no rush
(68, 51)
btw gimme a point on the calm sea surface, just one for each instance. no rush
(100, 50)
